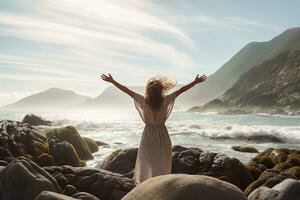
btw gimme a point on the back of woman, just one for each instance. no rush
(155, 151)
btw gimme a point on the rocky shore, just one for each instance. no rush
(38, 161)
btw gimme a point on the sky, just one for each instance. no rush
(69, 43)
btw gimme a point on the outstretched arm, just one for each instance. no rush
(109, 78)
(190, 85)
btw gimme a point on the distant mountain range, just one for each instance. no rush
(251, 55)
(217, 84)
(271, 87)
(53, 98)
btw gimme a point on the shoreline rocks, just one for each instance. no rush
(56, 146)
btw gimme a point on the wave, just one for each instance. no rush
(262, 133)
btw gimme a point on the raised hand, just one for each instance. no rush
(200, 79)
(107, 78)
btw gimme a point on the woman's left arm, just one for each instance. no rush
(190, 85)
(109, 78)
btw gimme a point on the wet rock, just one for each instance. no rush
(268, 178)
(3, 163)
(245, 149)
(70, 135)
(278, 156)
(187, 187)
(289, 189)
(23, 179)
(187, 160)
(45, 160)
(64, 154)
(120, 161)
(35, 120)
(91, 144)
(295, 171)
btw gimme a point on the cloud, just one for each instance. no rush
(107, 31)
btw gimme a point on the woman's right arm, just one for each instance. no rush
(109, 78)
(190, 85)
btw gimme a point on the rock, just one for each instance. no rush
(45, 160)
(278, 156)
(84, 196)
(187, 187)
(99, 143)
(35, 120)
(186, 160)
(295, 171)
(23, 179)
(102, 184)
(93, 146)
(64, 154)
(20, 139)
(70, 135)
(46, 195)
(120, 161)
(268, 178)
(289, 189)
(245, 149)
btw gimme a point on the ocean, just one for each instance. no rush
(207, 131)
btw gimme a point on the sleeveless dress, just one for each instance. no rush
(155, 151)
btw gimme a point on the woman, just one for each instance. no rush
(155, 152)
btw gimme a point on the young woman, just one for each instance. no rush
(155, 152)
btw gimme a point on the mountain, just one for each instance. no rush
(53, 98)
(271, 86)
(251, 55)
(113, 98)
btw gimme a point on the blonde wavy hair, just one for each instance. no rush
(156, 88)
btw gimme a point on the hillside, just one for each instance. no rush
(272, 85)
(251, 55)
(53, 98)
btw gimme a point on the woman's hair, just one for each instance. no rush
(156, 88)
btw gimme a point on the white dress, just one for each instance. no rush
(155, 151)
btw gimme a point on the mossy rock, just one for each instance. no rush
(283, 166)
(64, 154)
(45, 160)
(294, 159)
(70, 135)
(278, 156)
(91, 144)
(295, 171)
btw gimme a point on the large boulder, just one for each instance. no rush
(186, 161)
(23, 179)
(102, 184)
(288, 189)
(187, 187)
(64, 153)
(47, 195)
(70, 135)
(35, 120)
(120, 161)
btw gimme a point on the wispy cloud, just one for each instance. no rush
(71, 42)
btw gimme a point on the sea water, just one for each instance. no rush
(207, 131)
